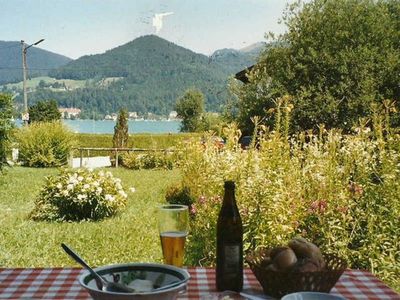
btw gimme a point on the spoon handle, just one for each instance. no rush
(79, 260)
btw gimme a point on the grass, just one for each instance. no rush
(129, 237)
(34, 82)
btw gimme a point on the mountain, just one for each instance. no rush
(254, 49)
(145, 75)
(39, 61)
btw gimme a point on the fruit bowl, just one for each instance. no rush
(278, 283)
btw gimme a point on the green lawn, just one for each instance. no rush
(129, 237)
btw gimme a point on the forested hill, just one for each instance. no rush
(39, 61)
(233, 60)
(153, 56)
(145, 75)
(153, 73)
(144, 57)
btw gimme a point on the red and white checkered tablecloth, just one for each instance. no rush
(62, 283)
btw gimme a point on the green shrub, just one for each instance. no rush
(44, 144)
(148, 160)
(176, 194)
(76, 195)
(340, 191)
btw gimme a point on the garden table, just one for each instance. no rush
(62, 283)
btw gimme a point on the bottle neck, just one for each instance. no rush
(229, 197)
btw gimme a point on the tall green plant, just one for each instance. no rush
(121, 135)
(6, 113)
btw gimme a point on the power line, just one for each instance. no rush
(16, 68)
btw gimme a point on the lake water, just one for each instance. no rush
(107, 126)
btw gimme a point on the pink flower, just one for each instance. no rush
(356, 189)
(193, 209)
(318, 206)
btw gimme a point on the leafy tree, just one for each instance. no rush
(190, 107)
(6, 113)
(44, 111)
(120, 138)
(42, 84)
(337, 58)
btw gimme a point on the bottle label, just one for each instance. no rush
(232, 261)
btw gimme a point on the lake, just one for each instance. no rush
(107, 126)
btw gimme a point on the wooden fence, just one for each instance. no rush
(116, 151)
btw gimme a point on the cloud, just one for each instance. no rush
(158, 20)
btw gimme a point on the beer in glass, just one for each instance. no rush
(173, 225)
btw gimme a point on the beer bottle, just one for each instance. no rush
(229, 270)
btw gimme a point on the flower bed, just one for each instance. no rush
(79, 195)
(339, 191)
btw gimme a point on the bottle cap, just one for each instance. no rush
(229, 184)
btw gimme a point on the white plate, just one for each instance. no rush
(311, 296)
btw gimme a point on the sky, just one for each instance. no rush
(81, 27)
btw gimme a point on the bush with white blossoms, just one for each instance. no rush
(76, 195)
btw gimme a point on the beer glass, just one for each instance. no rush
(173, 226)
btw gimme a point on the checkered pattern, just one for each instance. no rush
(58, 283)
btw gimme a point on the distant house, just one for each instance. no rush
(68, 113)
(133, 115)
(172, 115)
(113, 117)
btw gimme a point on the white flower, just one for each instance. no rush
(123, 194)
(109, 197)
(86, 186)
(118, 186)
(95, 183)
(65, 193)
(99, 190)
(132, 189)
(81, 197)
(59, 186)
(80, 178)
(70, 187)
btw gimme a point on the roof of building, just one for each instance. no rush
(242, 75)
(70, 110)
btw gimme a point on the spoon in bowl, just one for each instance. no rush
(101, 282)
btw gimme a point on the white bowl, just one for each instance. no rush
(160, 275)
(311, 296)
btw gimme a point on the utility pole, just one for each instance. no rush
(25, 115)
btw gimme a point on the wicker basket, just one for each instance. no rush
(280, 283)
